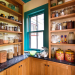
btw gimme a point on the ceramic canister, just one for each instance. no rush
(69, 55)
(59, 54)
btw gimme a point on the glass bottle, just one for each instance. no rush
(71, 38)
(18, 28)
(53, 14)
(19, 49)
(5, 38)
(65, 25)
(15, 50)
(57, 14)
(53, 26)
(52, 53)
(66, 11)
(62, 12)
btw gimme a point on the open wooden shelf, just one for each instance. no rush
(65, 30)
(10, 44)
(66, 4)
(10, 31)
(63, 44)
(65, 16)
(9, 20)
(4, 8)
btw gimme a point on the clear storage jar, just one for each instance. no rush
(1, 39)
(53, 26)
(5, 38)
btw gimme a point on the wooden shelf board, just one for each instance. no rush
(65, 30)
(66, 4)
(65, 16)
(4, 8)
(10, 31)
(63, 44)
(11, 44)
(9, 20)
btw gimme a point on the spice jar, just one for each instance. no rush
(57, 14)
(6, 26)
(1, 39)
(66, 11)
(53, 14)
(12, 28)
(70, 25)
(64, 25)
(59, 2)
(2, 26)
(16, 39)
(15, 28)
(10, 54)
(58, 26)
(10, 40)
(71, 38)
(15, 50)
(5, 38)
(62, 12)
(18, 28)
(53, 26)
(59, 54)
(69, 55)
(19, 49)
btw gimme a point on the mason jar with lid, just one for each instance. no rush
(5, 38)
(71, 38)
(1, 39)
(65, 25)
(62, 12)
(53, 26)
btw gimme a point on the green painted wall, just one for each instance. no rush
(43, 8)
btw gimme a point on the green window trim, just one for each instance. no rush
(36, 11)
(25, 1)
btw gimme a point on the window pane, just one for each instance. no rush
(40, 40)
(41, 22)
(33, 40)
(33, 24)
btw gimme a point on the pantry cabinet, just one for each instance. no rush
(58, 69)
(73, 70)
(3, 72)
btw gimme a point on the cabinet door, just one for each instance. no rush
(73, 70)
(38, 67)
(58, 69)
(3, 73)
(14, 70)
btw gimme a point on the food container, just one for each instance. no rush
(59, 54)
(16, 39)
(13, 7)
(5, 38)
(53, 26)
(10, 54)
(19, 49)
(64, 25)
(17, 9)
(15, 50)
(1, 39)
(69, 55)
(53, 14)
(54, 4)
(3, 3)
(15, 28)
(67, 0)
(62, 12)
(10, 40)
(59, 2)
(58, 26)
(70, 25)
(66, 11)
(57, 14)
(18, 28)
(3, 56)
(71, 38)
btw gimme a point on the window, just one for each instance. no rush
(36, 31)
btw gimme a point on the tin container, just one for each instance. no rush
(59, 54)
(70, 55)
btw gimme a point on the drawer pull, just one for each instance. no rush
(19, 66)
(45, 65)
(48, 65)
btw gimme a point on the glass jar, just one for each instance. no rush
(53, 14)
(12, 7)
(15, 28)
(71, 38)
(65, 25)
(6, 26)
(59, 2)
(57, 14)
(9, 5)
(2, 26)
(19, 49)
(15, 50)
(58, 26)
(10, 54)
(1, 39)
(5, 38)
(18, 28)
(17, 9)
(16, 39)
(62, 12)
(53, 26)
(67, 0)
(72, 9)
(12, 28)
(10, 40)
(19, 38)
(66, 11)
(52, 53)
(70, 25)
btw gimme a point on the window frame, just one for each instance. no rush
(43, 8)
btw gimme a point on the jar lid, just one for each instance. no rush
(59, 50)
(69, 51)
